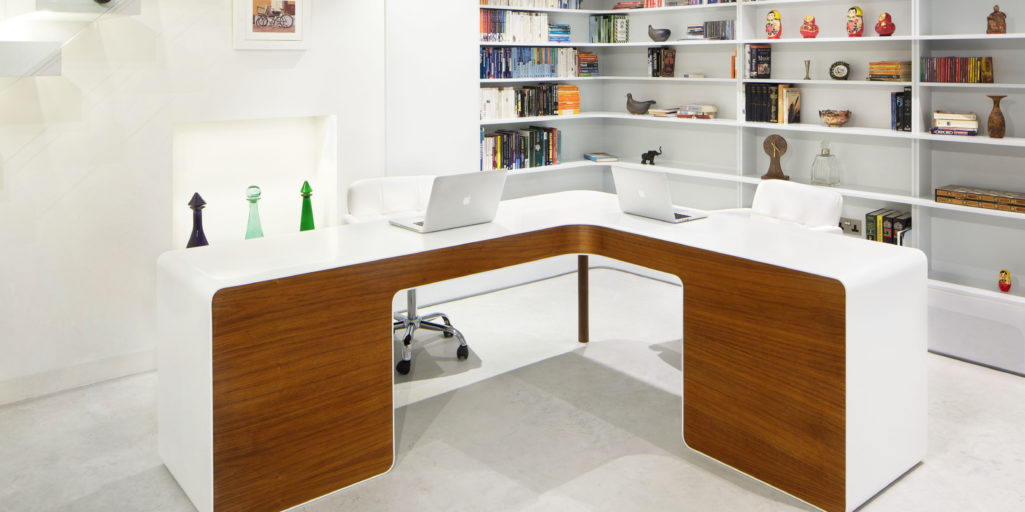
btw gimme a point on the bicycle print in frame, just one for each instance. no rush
(271, 24)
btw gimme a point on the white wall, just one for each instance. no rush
(85, 191)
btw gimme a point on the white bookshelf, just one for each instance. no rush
(883, 168)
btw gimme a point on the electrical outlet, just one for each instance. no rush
(851, 226)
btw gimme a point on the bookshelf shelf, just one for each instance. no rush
(978, 288)
(487, 81)
(650, 10)
(608, 115)
(642, 44)
(843, 131)
(761, 3)
(955, 85)
(1018, 142)
(829, 83)
(830, 40)
(970, 37)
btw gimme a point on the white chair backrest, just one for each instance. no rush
(807, 205)
(391, 196)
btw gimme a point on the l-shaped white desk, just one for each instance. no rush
(275, 383)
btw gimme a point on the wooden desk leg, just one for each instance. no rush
(582, 307)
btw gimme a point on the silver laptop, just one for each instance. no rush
(458, 200)
(646, 193)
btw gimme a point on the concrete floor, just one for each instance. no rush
(532, 421)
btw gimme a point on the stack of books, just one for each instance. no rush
(663, 112)
(536, 4)
(697, 111)
(772, 103)
(587, 64)
(610, 28)
(758, 59)
(900, 110)
(889, 71)
(888, 226)
(558, 33)
(719, 30)
(569, 99)
(652, 3)
(513, 26)
(965, 70)
(601, 157)
(981, 198)
(534, 146)
(628, 5)
(695, 31)
(528, 62)
(955, 123)
(661, 62)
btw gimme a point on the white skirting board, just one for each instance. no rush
(62, 379)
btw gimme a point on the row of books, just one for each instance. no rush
(609, 28)
(889, 71)
(636, 4)
(954, 123)
(981, 198)
(965, 70)
(757, 61)
(535, 4)
(601, 157)
(719, 30)
(772, 103)
(661, 62)
(587, 64)
(535, 62)
(558, 33)
(534, 146)
(513, 26)
(529, 101)
(888, 226)
(900, 110)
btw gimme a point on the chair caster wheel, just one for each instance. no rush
(402, 367)
(463, 352)
(447, 334)
(407, 339)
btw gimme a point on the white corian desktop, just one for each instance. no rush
(796, 370)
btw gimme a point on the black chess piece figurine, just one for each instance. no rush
(198, 238)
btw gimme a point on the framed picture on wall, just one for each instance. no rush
(271, 24)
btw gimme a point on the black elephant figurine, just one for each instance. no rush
(648, 157)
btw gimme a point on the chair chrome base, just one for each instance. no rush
(410, 321)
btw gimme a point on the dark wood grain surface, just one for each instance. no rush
(302, 367)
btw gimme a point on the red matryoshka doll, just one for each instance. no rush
(885, 26)
(855, 22)
(773, 24)
(809, 29)
(1005, 281)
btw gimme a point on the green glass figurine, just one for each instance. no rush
(306, 223)
(198, 237)
(253, 229)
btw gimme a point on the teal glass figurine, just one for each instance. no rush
(306, 223)
(253, 229)
(198, 238)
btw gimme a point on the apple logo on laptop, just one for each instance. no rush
(466, 201)
(642, 194)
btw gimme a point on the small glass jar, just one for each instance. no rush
(825, 169)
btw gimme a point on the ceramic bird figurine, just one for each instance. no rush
(855, 22)
(658, 34)
(809, 29)
(885, 27)
(637, 107)
(1005, 281)
(773, 24)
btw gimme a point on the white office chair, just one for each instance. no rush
(815, 208)
(381, 198)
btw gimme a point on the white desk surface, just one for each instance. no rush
(227, 264)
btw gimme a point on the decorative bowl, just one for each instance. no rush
(658, 34)
(835, 118)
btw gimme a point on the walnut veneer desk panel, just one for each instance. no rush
(273, 390)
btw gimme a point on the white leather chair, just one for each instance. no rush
(815, 208)
(401, 196)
